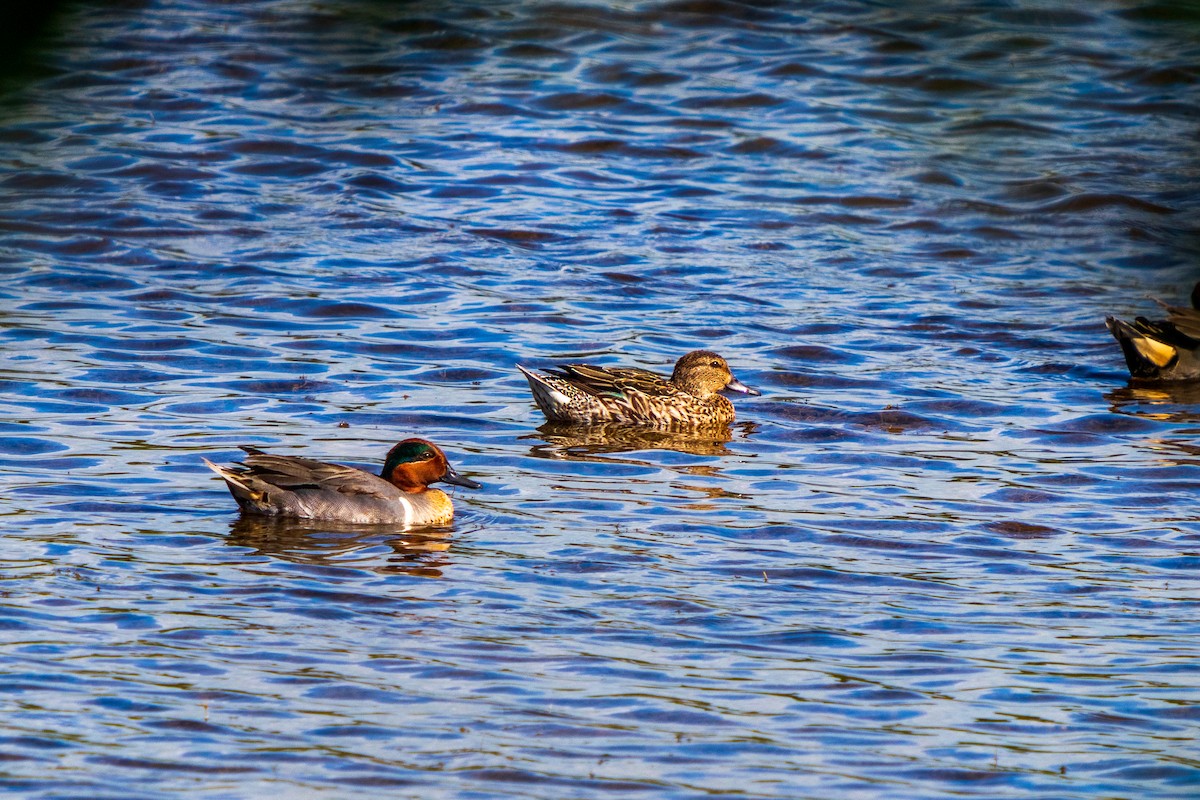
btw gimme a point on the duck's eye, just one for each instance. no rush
(715, 364)
(428, 454)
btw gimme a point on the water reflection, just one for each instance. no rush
(1167, 401)
(331, 544)
(578, 442)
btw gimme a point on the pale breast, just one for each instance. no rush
(431, 507)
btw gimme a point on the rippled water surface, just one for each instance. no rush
(949, 551)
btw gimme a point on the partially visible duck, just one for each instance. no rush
(1162, 350)
(583, 394)
(289, 486)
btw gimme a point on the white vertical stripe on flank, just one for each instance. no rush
(408, 510)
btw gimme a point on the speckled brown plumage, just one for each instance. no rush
(586, 394)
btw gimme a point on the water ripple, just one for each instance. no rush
(950, 551)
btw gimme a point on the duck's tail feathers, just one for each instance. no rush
(1146, 352)
(544, 393)
(236, 481)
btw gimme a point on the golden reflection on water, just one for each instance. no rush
(578, 442)
(1177, 401)
(331, 544)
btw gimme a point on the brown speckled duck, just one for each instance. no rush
(289, 486)
(584, 394)
(1162, 350)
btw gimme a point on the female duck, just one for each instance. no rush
(1162, 350)
(288, 486)
(582, 394)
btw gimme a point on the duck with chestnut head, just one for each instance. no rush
(301, 488)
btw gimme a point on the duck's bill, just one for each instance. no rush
(737, 386)
(458, 480)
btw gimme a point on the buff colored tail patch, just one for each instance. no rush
(1157, 353)
(232, 477)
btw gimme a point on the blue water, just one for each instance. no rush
(948, 553)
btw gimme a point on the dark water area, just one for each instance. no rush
(950, 552)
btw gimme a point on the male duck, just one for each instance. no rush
(583, 394)
(288, 486)
(1162, 350)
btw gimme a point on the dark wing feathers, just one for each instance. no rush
(296, 474)
(614, 382)
(1169, 332)
(1186, 321)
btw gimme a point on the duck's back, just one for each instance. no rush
(1185, 321)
